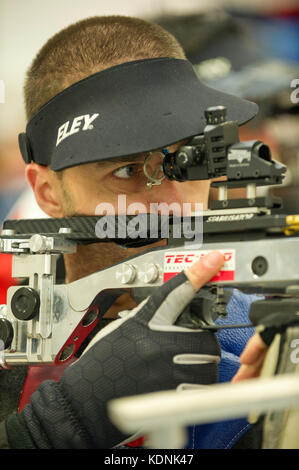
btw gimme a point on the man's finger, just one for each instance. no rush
(248, 372)
(254, 350)
(252, 359)
(168, 302)
(204, 269)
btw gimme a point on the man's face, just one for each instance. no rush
(86, 186)
(81, 189)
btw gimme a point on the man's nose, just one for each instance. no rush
(168, 192)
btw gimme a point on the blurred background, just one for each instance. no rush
(245, 47)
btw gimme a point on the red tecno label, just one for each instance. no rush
(177, 261)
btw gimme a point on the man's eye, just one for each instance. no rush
(125, 172)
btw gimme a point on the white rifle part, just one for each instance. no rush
(163, 416)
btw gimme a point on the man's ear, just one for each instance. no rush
(46, 188)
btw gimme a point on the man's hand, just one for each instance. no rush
(143, 351)
(252, 359)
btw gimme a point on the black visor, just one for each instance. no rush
(128, 109)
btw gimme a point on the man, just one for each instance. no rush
(100, 96)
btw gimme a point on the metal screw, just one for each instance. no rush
(149, 273)
(126, 273)
(38, 243)
(259, 266)
(8, 232)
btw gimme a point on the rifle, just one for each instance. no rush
(45, 322)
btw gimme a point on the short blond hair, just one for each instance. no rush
(89, 46)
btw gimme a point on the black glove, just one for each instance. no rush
(142, 352)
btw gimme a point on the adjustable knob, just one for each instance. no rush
(215, 115)
(25, 303)
(38, 243)
(126, 273)
(149, 273)
(184, 159)
(6, 333)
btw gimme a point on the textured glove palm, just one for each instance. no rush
(142, 352)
